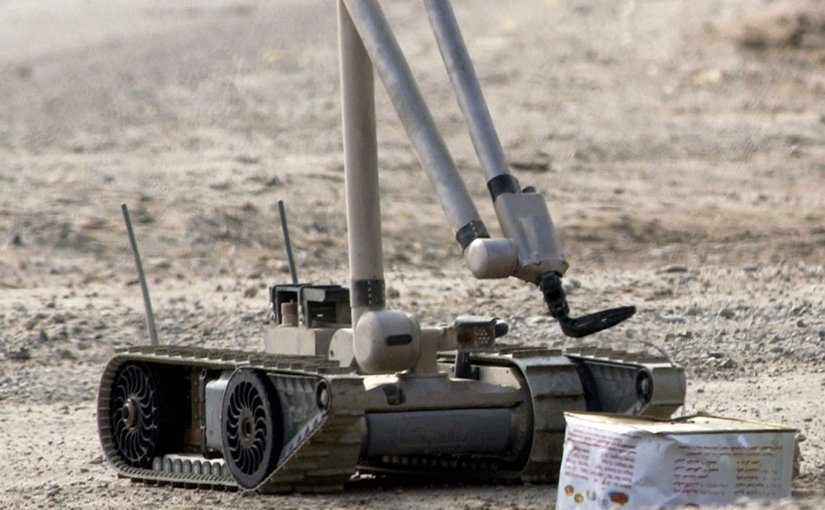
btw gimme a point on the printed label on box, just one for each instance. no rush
(631, 463)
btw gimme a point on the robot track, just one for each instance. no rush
(226, 419)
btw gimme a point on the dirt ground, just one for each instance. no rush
(680, 147)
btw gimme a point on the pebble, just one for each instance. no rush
(536, 320)
(21, 354)
(672, 319)
(727, 313)
(66, 354)
(674, 269)
(247, 159)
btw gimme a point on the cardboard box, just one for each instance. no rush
(626, 462)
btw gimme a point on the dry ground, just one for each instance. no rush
(680, 146)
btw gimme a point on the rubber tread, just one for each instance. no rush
(323, 459)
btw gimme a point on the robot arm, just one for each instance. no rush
(529, 248)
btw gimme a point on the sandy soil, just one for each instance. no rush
(680, 146)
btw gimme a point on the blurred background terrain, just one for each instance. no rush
(680, 147)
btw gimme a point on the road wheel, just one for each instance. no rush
(251, 428)
(134, 413)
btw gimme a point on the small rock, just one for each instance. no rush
(727, 313)
(162, 265)
(220, 186)
(801, 323)
(674, 269)
(246, 159)
(21, 354)
(728, 364)
(250, 292)
(66, 354)
(43, 337)
(531, 166)
(672, 319)
(536, 320)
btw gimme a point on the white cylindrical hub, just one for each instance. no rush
(386, 341)
(492, 258)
